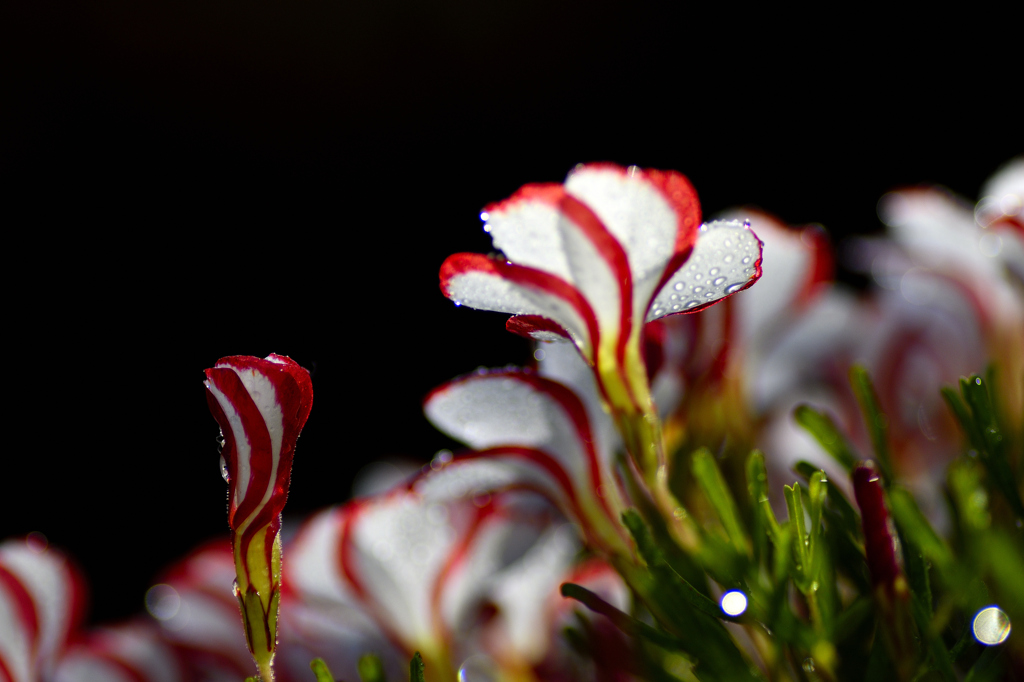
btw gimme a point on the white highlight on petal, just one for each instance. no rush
(722, 263)
(991, 626)
(734, 603)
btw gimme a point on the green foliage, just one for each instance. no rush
(416, 668)
(320, 669)
(812, 610)
(370, 669)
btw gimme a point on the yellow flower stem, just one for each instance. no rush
(259, 596)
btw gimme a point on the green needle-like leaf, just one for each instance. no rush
(370, 668)
(416, 668)
(848, 516)
(621, 620)
(766, 527)
(963, 416)
(993, 450)
(916, 529)
(320, 669)
(824, 430)
(877, 422)
(795, 505)
(654, 558)
(709, 478)
(694, 618)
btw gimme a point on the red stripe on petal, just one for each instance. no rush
(261, 455)
(529, 325)
(24, 604)
(464, 263)
(682, 196)
(5, 672)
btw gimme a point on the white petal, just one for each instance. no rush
(725, 259)
(788, 263)
(563, 364)
(399, 547)
(15, 647)
(47, 578)
(490, 472)
(489, 291)
(491, 410)
(525, 590)
(634, 211)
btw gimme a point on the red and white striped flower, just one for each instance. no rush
(132, 652)
(197, 612)
(261, 406)
(529, 431)
(41, 602)
(472, 579)
(594, 259)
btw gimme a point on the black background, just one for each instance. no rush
(194, 179)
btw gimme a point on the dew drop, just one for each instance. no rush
(673, 297)
(727, 244)
(714, 271)
(746, 259)
(678, 286)
(675, 307)
(718, 281)
(224, 470)
(808, 664)
(728, 258)
(658, 312)
(733, 288)
(692, 304)
(697, 290)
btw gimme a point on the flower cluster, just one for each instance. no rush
(614, 515)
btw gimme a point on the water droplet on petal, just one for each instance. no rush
(718, 281)
(678, 286)
(746, 259)
(728, 258)
(714, 271)
(691, 304)
(224, 470)
(658, 312)
(733, 288)
(697, 290)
